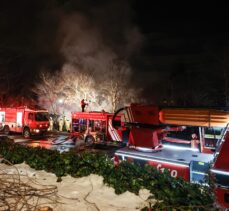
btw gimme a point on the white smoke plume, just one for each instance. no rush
(94, 42)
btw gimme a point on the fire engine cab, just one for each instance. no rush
(96, 127)
(24, 120)
(189, 143)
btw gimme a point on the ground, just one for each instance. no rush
(71, 194)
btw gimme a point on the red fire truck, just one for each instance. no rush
(154, 139)
(96, 127)
(24, 120)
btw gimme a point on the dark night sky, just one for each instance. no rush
(180, 32)
(173, 47)
(184, 45)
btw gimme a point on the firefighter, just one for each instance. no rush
(50, 124)
(67, 125)
(83, 104)
(61, 124)
(194, 141)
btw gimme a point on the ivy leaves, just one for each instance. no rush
(171, 193)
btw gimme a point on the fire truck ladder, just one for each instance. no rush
(221, 174)
(113, 133)
(221, 140)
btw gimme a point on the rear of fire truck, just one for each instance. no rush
(149, 126)
(96, 128)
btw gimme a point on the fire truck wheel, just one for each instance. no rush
(89, 140)
(6, 130)
(26, 133)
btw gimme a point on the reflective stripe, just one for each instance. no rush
(148, 159)
(220, 172)
(201, 173)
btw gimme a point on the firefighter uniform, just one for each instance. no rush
(67, 124)
(83, 105)
(61, 124)
(51, 124)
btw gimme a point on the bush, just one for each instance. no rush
(171, 194)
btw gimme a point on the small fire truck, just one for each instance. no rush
(24, 120)
(96, 128)
(154, 139)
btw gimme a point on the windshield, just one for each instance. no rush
(41, 116)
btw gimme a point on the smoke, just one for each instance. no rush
(82, 44)
(95, 36)
(39, 34)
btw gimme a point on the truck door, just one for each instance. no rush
(30, 119)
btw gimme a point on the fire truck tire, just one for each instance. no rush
(6, 130)
(89, 140)
(26, 133)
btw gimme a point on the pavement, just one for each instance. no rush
(59, 141)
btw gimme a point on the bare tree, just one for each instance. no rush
(77, 85)
(107, 91)
(48, 91)
(116, 85)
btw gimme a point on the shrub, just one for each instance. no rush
(171, 194)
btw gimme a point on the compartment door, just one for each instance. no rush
(19, 122)
(2, 119)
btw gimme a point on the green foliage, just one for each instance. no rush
(170, 193)
(126, 176)
(8, 149)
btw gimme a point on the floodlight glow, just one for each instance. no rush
(60, 100)
(180, 148)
